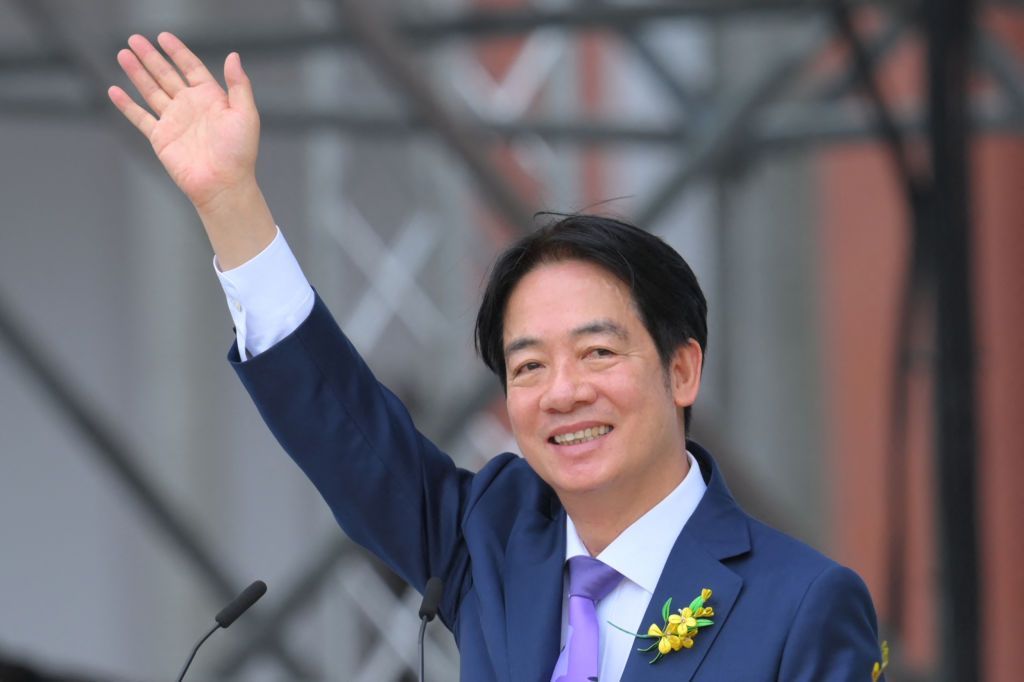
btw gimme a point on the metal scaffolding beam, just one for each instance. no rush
(949, 25)
(1005, 68)
(632, 35)
(384, 48)
(875, 50)
(726, 128)
(480, 24)
(118, 457)
(815, 127)
(485, 24)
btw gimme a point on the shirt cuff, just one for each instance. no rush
(268, 297)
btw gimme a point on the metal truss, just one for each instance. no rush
(113, 452)
(714, 133)
(711, 133)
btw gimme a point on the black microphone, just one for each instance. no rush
(241, 604)
(228, 615)
(428, 609)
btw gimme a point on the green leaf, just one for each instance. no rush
(634, 634)
(666, 609)
(704, 622)
(697, 603)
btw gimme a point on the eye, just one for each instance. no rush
(525, 367)
(600, 353)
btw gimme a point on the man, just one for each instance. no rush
(597, 331)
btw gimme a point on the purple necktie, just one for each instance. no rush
(590, 581)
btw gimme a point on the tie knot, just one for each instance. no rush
(591, 578)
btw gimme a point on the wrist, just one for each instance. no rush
(228, 199)
(238, 223)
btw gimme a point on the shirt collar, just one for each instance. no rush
(639, 553)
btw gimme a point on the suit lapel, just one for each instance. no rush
(717, 530)
(533, 599)
(688, 571)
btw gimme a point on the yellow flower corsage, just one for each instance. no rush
(880, 666)
(679, 628)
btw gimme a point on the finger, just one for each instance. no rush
(159, 68)
(191, 66)
(139, 117)
(239, 87)
(154, 95)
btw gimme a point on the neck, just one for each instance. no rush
(601, 516)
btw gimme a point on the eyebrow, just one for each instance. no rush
(519, 344)
(604, 326)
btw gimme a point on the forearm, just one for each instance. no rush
(238, 223)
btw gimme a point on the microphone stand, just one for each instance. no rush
(195, 649)
(428, 609)
(423, 631)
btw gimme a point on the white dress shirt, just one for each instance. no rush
(269, 297)
(639, 553)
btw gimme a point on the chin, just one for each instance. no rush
(578, 483)
(584, 475)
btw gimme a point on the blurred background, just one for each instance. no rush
(845, 178)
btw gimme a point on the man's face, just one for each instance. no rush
(590, 404)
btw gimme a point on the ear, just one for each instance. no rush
(684, 373)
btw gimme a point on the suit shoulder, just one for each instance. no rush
(819, 599)
(781, 555)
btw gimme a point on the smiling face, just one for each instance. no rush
(593, 410)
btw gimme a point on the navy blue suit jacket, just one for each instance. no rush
(497, 538)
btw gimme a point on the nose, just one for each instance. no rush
(568, 388)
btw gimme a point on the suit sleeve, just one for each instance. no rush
(389, 487)
(834, 635)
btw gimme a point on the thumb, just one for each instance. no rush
(239, 88)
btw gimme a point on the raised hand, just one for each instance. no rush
(207, 139)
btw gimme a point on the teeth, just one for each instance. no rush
(582, 436)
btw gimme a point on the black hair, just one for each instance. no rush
(665, 291)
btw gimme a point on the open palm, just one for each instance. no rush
(207, 138)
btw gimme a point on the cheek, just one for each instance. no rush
(640, 401)
(520, 414)
(627, 392)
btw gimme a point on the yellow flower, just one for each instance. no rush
(687, 621)
(705, 594)
(880, 667)
(668, 640)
